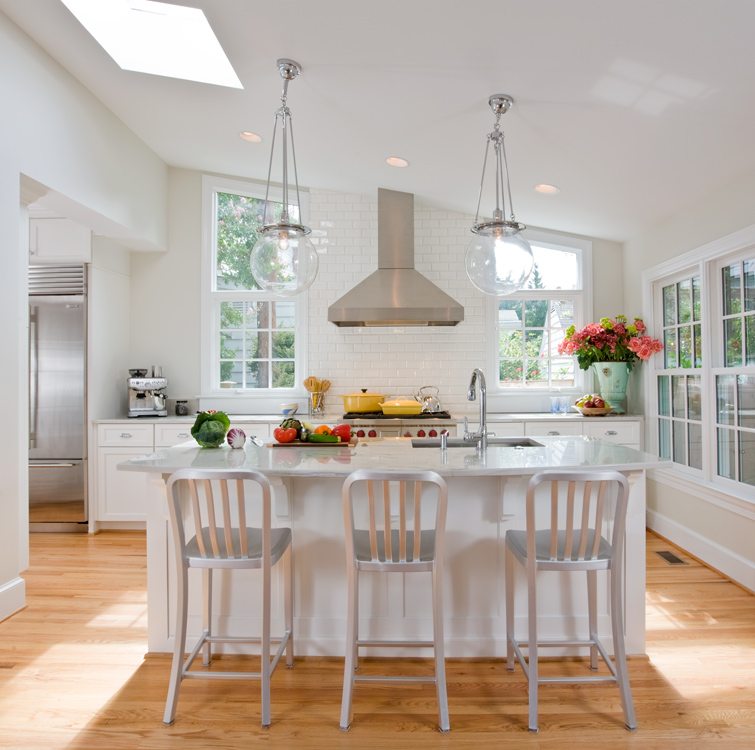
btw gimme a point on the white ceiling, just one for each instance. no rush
(634, 109)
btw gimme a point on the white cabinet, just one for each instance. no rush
(553, 428)
(59, 241)
(172, 434)
(121, 494)
(126, 435)
(624, 433)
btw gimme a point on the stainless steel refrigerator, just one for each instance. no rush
(57, 398)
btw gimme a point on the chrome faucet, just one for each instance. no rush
(481, 436)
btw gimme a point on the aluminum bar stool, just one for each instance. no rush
(225, 543)
(394, 542)
(572, 541)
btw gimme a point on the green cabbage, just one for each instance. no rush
(210, 428)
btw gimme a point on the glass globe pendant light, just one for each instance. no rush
(283, 260)
(498, 260)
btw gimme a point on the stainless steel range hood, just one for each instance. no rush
(396, 294)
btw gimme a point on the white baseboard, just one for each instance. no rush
(12, 597)
(736, 567)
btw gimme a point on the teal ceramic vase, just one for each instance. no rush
(612, 383)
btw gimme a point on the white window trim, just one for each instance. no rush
(704, 260)
(651, 399)
(538, 399)
(236, 400)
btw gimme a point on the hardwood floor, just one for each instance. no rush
(73, 674)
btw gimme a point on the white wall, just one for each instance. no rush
(719, 536)
(400, 361)
(55, 132)
(165, 314)
(165, 322)
(109, 309)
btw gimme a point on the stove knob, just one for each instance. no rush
(420, 433)
(407, 434)
(372, 433)
(444, 432)
(360, 433)
(433, 433)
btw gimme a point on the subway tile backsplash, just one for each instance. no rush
(393, 361)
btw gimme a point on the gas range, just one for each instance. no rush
(372, 415)
(377, 424)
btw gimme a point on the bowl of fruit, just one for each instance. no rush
(593, 406)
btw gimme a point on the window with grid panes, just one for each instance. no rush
(680, 418)
(255, 339)
(735, 381)
(530, 324)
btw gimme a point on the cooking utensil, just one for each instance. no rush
(401, 405)
(363, 401)
(430, 401)
(315, 403)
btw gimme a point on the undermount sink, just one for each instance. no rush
(505, 442)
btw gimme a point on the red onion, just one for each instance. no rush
(236, 438)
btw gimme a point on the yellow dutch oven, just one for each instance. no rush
(362, 401)
(402, 405)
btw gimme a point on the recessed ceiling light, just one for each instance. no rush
(157, 38)
(547, 189)
(247, 135)
(397, 161)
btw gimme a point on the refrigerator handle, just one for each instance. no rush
(33, 376)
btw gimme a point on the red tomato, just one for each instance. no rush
(285, 435)
(343, 431)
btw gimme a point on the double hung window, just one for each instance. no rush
(253, 343)
(525, 328)
(705, 379)
(735, 380)
(679, 381)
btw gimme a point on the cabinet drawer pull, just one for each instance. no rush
(554, 432)
(126, 434)
(611, 432)
(183, 434)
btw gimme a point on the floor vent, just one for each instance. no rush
(671, 558)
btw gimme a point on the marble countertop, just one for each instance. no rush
(335, 417)
(399, 455)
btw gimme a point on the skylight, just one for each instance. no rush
(157, 38)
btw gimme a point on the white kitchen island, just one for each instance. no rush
(486, 498)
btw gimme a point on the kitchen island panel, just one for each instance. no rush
(486, 498)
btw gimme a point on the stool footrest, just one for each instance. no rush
(518, 645)
(416, 644)
(382, 678)
(205, 638)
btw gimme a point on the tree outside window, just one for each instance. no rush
(257, 336)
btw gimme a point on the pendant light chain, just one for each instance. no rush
(482, 182)
(508, 183)
(499, 259)
(287, 133)
(284, 261)
(270, 169)
(296, 174)
(502, 179)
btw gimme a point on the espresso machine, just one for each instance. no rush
(146, 395)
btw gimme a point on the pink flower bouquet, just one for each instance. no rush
(609, 341)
